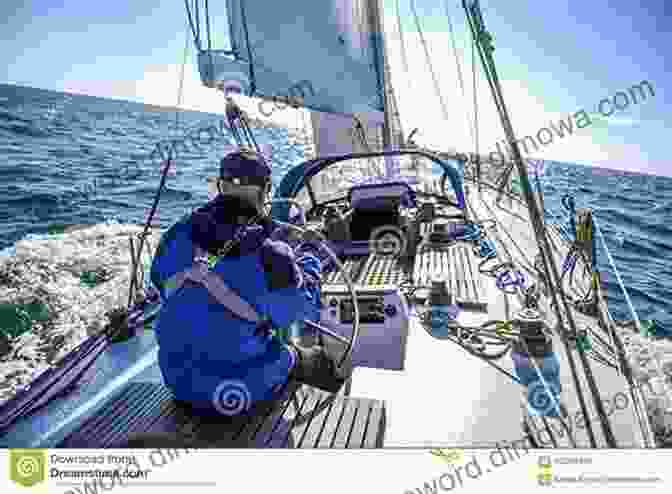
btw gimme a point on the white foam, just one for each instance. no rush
(48, 268)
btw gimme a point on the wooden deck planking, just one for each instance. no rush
(144, 415)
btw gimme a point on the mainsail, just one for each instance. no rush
(326, 56)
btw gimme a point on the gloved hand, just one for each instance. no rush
(280, 265)
(317, 367)
(312, 241)
(316, 250)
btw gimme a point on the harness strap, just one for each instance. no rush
(199, 273)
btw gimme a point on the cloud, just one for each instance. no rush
(160, 84)
(419, 107)
(117, 89)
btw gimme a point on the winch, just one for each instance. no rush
(533, 338)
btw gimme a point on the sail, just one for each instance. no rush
(337, 135)
(322, 55)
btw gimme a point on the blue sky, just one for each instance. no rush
(553, 59)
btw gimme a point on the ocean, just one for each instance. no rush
(71, 159)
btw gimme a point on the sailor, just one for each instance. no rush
(226, 284)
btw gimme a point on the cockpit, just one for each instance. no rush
(365, 202)
(377, 211)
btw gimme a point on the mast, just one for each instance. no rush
(346, 128)
(377, 35)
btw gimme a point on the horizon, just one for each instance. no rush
(546, 75)
(277, 125)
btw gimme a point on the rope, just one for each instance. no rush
(459, 73)
(473, 76)
(428, 59)
(150, 217)
(633, 312)
(550, 269)
(571, 361)
(467, 337)
(404, 56)
(253, 80)
(195, 30)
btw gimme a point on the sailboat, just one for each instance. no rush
(469, 318)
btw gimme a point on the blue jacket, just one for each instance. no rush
(207, 355)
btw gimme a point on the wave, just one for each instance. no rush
(24, 129)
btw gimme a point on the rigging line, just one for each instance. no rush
(489, 70)
(180, 90)
(503, 246)
(243, 18)
(198, 18)
(194, 31)
(207, 25)
(526, 261)
(543, 245)
(476, 143)
(407, 79)
(145, 232)
(638, 409)
(359, 16)
(429, 62)
(626, 371)
(547, 264)
(633, 312)
(486, 68)
(511, 376)
(404, 55)
(459, 71)
(478, 31)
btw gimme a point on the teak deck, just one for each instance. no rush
(145, 415)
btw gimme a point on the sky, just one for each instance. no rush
(553, 59)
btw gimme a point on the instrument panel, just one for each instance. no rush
(384, 321)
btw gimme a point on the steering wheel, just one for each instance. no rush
(315, 237)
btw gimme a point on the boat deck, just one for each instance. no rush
(443, 396)
(122, 397)
(448, 397)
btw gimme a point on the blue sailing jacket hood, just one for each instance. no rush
(208, 356)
